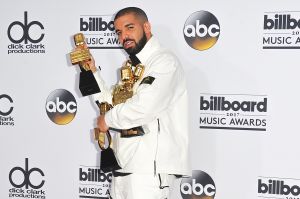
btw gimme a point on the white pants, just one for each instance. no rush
(141, 186)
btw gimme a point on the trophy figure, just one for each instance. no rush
(87, 82)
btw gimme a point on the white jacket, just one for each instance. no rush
(161, 109)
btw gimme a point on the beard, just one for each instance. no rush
(138, 45)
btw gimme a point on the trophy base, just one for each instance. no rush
(88, 84)
(108, 161)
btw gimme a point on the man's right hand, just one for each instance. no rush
(91, 64)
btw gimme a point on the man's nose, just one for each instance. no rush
(123, 37)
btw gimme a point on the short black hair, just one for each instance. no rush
(132, 10)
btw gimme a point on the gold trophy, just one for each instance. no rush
(121, 93)
(124, 91)
(87, 82)
(108, 159)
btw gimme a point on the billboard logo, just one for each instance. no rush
(233, 112)
(96, 24)
(199, 186)
(94, 183)
(99, 31)
(281, 30)
(222, 104)
(201, 30)
(61, 106)
(268, 186)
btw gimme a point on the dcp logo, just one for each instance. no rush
(4, 111)
(199, 186)
(25, 31)
(61, 106)
(26, 177)
(201, 30)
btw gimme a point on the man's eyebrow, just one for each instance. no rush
(127, 25)
(130, 24)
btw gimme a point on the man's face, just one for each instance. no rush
(131, 33)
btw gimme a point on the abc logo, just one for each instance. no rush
(201, 30)
(199, 186)
(5, 111)
(27, 180)
(61, 106)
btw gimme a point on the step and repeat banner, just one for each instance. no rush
(241, 60)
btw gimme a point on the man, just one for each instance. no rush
(151, 161)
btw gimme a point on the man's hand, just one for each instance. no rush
(91, 64)
(102, 124)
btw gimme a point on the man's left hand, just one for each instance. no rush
(102, 124)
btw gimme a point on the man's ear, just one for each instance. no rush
(147, 28)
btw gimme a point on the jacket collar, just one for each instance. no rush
(151, 46)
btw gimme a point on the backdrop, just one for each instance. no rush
(241, 62)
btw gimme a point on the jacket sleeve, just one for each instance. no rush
(105, 93)
(150, 99)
